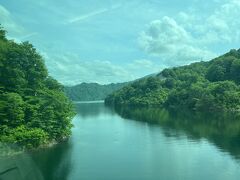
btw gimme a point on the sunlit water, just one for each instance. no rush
(105, 146)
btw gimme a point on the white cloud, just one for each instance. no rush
(191, 35)
(225, 21)
(175, 39)
(172, 43)
(162, 36)
(144, 65)
(70, 69)
(220, 26)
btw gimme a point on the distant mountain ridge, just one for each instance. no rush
(92, 91)
(95, 91)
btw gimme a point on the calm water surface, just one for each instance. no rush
(144, 144)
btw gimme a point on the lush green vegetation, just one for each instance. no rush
(202, 86)
(33, 107)
(91, 91)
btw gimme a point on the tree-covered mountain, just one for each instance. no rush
(95, 91)
(204, 86)
(91, 91)
(33, 107)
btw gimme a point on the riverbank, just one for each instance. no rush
(88, 102)
(8, 150)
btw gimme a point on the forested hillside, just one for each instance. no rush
(202, 86)
(91, 91)
(33, 107)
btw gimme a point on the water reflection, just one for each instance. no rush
(221, 129)
(159, 144)
(14, 164)
(92, 109)
(54, 162)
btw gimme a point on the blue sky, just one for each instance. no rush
(115, 41)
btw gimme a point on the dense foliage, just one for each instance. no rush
(204, 86)
(91, 91)
(33, 107)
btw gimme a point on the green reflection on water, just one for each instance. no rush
(127, 143)
(222, 129)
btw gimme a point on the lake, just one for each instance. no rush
(144, 144)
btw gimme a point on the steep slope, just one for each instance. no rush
(33, 107)
(212, 85)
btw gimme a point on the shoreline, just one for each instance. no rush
(88, 102)
(10, 150)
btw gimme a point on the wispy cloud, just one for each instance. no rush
(86, 16)
(27, 36)
(22, 38)
(91, 14)
(7, 21)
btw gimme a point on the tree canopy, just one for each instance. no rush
(203, 86)
(91, 91)
(33, 107)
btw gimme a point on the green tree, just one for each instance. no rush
(202, 86)
(12, 109)
(33, 107)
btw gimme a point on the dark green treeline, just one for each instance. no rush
(33, 108)
(202, 86)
